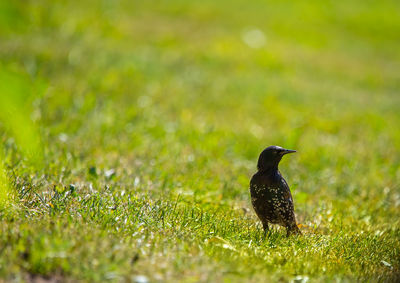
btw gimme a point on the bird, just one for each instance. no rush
(270, 194)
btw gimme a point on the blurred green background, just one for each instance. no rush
(125, 122)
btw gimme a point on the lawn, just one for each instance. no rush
(130, 131)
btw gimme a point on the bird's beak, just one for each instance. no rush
(286, 151)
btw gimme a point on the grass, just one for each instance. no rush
(151, 116)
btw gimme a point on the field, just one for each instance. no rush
(130, 131)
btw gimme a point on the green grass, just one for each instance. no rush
(151, 116)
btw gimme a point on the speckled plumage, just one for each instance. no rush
(270, 194)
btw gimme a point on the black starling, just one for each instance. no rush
(270, 194)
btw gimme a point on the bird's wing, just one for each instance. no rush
(287, 201)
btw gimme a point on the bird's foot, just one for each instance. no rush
(293, 230)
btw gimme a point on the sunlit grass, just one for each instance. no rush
(16, 96)
(130, 131)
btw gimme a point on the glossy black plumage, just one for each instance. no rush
(270, 194)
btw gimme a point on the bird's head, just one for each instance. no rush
(271, 156)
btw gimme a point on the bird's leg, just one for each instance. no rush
(266, 228)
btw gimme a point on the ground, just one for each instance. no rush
(147, 119)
